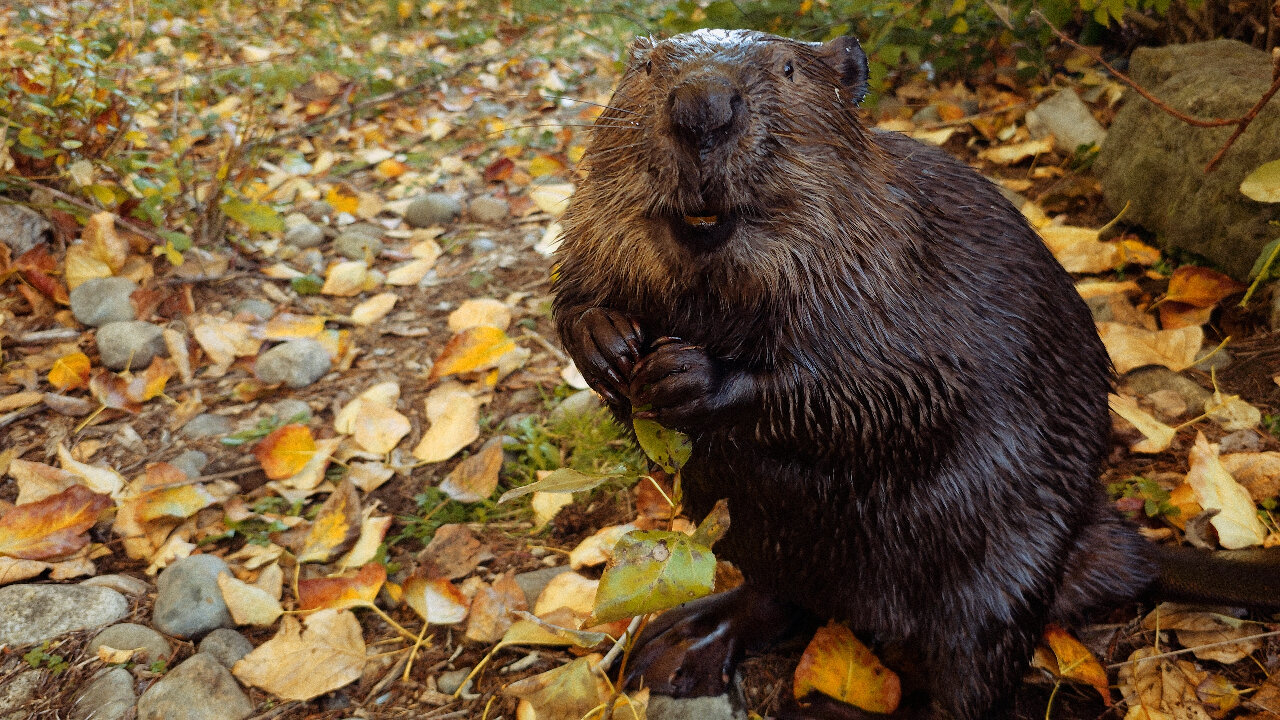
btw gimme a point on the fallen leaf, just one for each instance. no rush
(1160, 689)
(353, 590)
(313, 471)
(455, 423)
(475, 478)
(346, 279)
(375, 308)
(598, 549)
(1232, 413)
(436, 600)
(1079, 250)
(552, 198)
(372, 531)
(53, 527)
(574, 691)
(1237, 519)
(1132, 347)
(455, 552)
(652, 570)
(480, 312)
(1156, 435)
(1259, 472)
(298, 665)
(1263, 183)
(530, 629)
(20, 400)
(336, 527)
(492, 608)
(477, 348)
(546, 505)
(368, 475)
(1207, 634)
(289, 326)
(568, 590)
(286, 451)
(411, 272)
(1075, 662)
(837, 665)
(249, 605)
(98, 479)
(561, 480)
(37, 481)
(70, 372)
(1017, 152)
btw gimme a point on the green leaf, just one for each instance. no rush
(714, 525)
(668, 448)
(1266, 265)
(563, 480)
(307, 284)
(530, 629)
(253, 215)
(652, 570)
(1263, 184)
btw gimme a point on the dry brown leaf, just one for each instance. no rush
(21, 399)
(1259, 472)
(1161, 689)
(1231, 413)
(478, 312)
(336, 527)
(369, 475)
(300, 665)
(54, 527)
(358, 589)
(1079, 249)
(573, 692)
(598, 549)
(475, 478)
(455, 551)
(1131, 347)
(455, 423)
(1017, 152)
(37, 481)
(372, 530)
(98, 479)
(567, 590)
(436, 600)
(249, 605)
(1156, 435)
(1237, 519)
(491, 609)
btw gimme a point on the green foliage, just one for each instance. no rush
(652, 570)
(1155, 498)
(669, 448)
(40, 657)
(591, 443)
(263, 428)
(1271, 422)
(435, 508)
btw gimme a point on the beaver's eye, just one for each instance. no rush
(648, 67)
(787, 69)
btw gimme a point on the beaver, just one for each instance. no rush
(879, 365)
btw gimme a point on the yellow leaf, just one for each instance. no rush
(343, 199)
(336, 526)
(1075, 662)
(285, 451)
(837, 665)
(455, 423)
(297, 665)
(477, 348)
(70, 371)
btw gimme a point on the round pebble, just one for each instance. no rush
(289, 410)
(31, 614)
(296, 363)
(132, 636)
(258, 308)
(357, 245)
(190, 462)
(432, 209)
(130, 344)
(109, 696)
(200, 688)
(225, 644)
(207, 425)
(188, 601)
(490, 209)
(304, 235)
(105, 300)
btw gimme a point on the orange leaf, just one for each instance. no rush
(151, 381)
(52, 527)
(287, 326)
(499, 170)
(286, 451)
(1075, 662)
(343, 199)
(437, 600)
(391, 168)
(70, 371)
(1200, 286)
(358, 590)
(545, 165)
(477, 348)
(837, 665)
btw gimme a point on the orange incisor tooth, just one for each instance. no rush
(702, 220)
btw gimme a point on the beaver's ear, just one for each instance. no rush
(845, 56)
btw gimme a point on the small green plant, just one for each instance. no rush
(435, 508)
(1271, 423)
(159, 667)
(265, 427)
(1155, 499)
(591, 442)
(40, 657)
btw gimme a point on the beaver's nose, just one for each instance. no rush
(706, 112)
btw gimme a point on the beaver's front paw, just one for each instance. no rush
(693, 650)
(678, 385)
(605, 345)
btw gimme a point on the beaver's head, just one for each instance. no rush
(712, 130)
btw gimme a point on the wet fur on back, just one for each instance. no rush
(927, 408)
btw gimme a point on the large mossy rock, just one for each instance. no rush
(1155, 163)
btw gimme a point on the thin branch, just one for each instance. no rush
(123, 222)
(1241, 123)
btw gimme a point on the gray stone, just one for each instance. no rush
(198, 689)
(449, 681)
(1216, 361)
(130, 344)
(109, 696)
(482, 245)
(31, 614)
(1155, 163)
(1068, 119)
(662, 707)
(317, 210)
(132, 636)
(123, 584)
(535, 581)
(225, 644)
(188, 602)
(1147, 380)
(289, 410)
(490, 209)
(582, 402)
(357, 245)
(926, 115)
(1241, 441)
(296, 363)
(17, 694)
(190, 462)
(207, 425)
(432, 209)
(105, 300)
(304, 235)
(255, 307)
(22, 228)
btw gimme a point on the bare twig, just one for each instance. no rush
(125, 223)
(40, 337)
(1241, 123)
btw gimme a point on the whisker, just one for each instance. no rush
(548, 126)
(588, 102)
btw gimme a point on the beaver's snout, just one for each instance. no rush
(706, 111)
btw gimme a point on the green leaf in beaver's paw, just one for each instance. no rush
(668, 448)
(652, 570)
